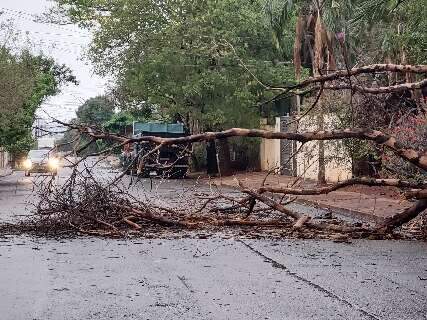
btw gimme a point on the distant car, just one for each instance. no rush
(41, 161)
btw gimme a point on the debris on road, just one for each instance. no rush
(85, 205)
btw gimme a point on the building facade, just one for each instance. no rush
(290, 158)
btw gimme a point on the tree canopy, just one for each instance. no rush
(185, 57)
(95, 111)
(26, 81)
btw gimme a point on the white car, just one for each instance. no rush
(41, 161)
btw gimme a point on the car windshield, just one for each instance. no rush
(38, 154)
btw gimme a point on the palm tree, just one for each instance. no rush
(313, 44)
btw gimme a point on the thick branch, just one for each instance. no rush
(403, 217)
(380, 90)
(417, 194)
(339, 185)
(362, 70)
(300, 218)
(272, 204)
(418, 158)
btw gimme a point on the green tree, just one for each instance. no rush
(26, 81)
(182, 56)
(95, 111)
(396, 29)
(186, 57)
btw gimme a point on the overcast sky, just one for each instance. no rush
(65, 44)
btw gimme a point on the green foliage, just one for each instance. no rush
(26, 81)
(119, 121)
(100, 111)
(184, 57)
(95, 111)
(394, 26)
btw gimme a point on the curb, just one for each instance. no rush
(343, 211)
(337, 210)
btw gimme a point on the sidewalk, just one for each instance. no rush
(369, 203)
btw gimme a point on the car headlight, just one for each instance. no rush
(28, 163)
(53, 163)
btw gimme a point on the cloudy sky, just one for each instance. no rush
(66, 44)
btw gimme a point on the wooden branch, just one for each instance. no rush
(416, 194)
(271, 203)
(362, 70)
(301, 218)
(300, 222)
(339, 185)
(418, 158)
(131, 223)
(207, 202)
(403, 217)
(380, 90)
(148, 215)
(250, 223)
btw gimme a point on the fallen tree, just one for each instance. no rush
(85, 205)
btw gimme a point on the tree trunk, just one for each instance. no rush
(318, 65)
(224, 161)
(321, 174)
(211, 160)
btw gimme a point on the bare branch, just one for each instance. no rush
(343, 184)
(380, 90)
(418, 158)
(374, 68)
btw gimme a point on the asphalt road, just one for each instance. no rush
(211, 279)
(215, 278)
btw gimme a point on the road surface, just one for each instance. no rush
(221, 277)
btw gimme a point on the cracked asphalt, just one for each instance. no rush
(215, 278)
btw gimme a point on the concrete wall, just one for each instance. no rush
(270, 149)
(338, 168)
(338, 164)
(4, 159)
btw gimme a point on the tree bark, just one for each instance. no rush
(211, 161)
(403, 217)
(224, 161)
(318, 65)
(321, 174)
(354, 181)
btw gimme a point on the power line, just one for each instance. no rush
(49, 33)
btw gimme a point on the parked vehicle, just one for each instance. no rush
(168, 162)
(41, 161)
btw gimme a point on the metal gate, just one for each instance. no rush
(288, 165)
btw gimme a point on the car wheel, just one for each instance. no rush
(27, 174)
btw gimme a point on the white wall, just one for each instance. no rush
(338, 164)
(4, 159)
(270, 148)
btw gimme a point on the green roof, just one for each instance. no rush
(153, 127)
